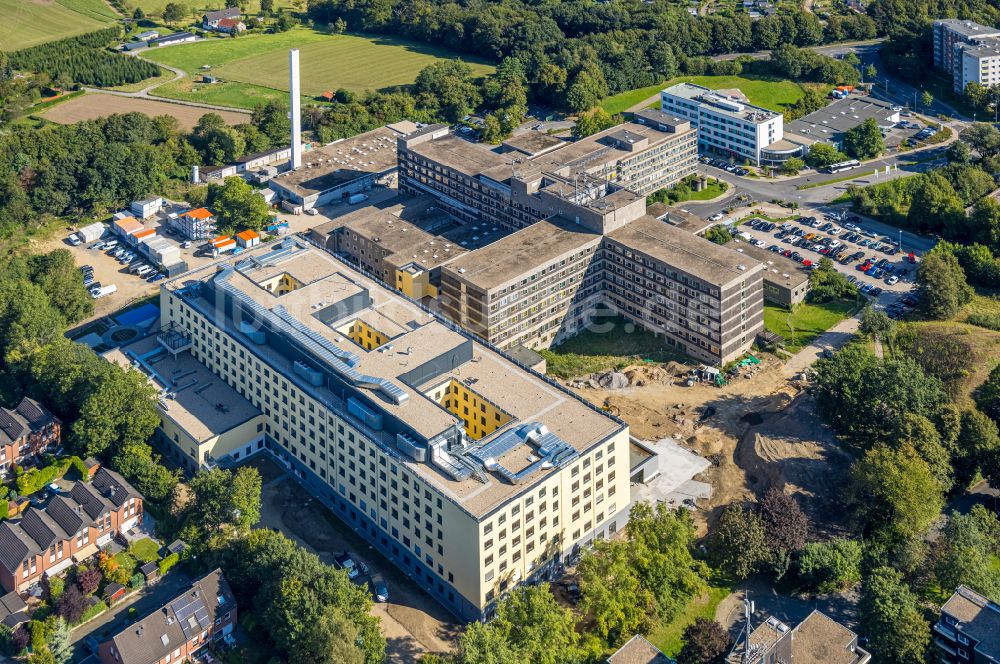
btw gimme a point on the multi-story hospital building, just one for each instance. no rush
(468, 471)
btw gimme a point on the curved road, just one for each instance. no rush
(178, 74)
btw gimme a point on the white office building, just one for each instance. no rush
(726, 125)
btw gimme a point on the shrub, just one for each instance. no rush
(168, 562)
(71, 605)
(38, 634)
(136, 581)
(989, 321)
(88, 579)
(37, 478)
(94, 610)
(830, 566)
(80, 467)
(56, 587)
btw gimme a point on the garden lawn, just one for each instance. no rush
(28, 23)
(611, 343)
(808, 320)
(772, 93)
(354, 62)
(145, 550)
(667, 637)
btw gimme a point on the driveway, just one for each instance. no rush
(145, 602)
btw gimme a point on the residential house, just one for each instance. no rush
(818, 639)
(968, 631)
(230, 26)
(70, 528)
(178, 631)
(211, 20)
(28, 429)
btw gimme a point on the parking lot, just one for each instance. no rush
(872, 261)
(412, 621)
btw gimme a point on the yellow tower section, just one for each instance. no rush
(480, 415)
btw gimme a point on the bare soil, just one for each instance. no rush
(96, 105)
(759, 430)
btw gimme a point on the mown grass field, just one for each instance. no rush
(772, 93)
(235, 94)
(31, 22)
(354, 62)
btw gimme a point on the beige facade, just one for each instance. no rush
(466, 505)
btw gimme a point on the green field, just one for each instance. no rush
(354, 62)
(806, 321)
(237, 95)
(199, 7)
(30, 22)
(668, 637)
(773, 93)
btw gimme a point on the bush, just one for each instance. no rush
(989, 321)
(719, 234)
(71, 605)
(80, 467)
(168, 562)
(88, 579)
(136, 581)
(37, 478)
(56, 587)
(94, 610)
(830, 566)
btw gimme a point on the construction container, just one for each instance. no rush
(91, 232)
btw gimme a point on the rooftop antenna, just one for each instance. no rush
(745, 631)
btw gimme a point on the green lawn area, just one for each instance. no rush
(611, 343)
(667, 637)
(773, 93)
(846, 178)
(155, 7)
(145, 550)
(808, 320)
(354, 62)
(224, 93)
(28, 23)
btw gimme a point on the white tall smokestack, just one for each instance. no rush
(294, 104)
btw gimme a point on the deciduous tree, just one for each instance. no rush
(892, 620)
(705, 642)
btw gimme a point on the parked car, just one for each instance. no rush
(345, 562)
(716, 217)
(380, 590)
(893, 279)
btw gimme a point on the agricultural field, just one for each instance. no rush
(354, 62)
(199, 7)
(32, 22)
(772, 93)
(96, 105)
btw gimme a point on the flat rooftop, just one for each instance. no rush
(819, 639)
(840, 116)
(511, 257)
(679, 218)
(322, 306)
(342, 161)
(968, 28)
(720, 103)
(683, 251)
(202, 404)
(465, 157)
(533, 143)
(777, 269)
(415, 229)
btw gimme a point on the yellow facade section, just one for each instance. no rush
(415, 284)
(480, 415)
(364, 334)
(281, 284)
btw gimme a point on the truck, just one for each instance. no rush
(357, 198)
(98, 293)
(289, 206)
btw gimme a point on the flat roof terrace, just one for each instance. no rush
(417, 338)
(521, 252)
(842, 115)
(722, 104)
(683, 251)
(460, 155)
(342, 161)
(202, 404)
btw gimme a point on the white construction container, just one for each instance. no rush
(91, 232)
(104, 291)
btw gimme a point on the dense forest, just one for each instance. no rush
(578, 45)
(84, 60)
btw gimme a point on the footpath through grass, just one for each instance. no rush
(610, 343)
(772, 93)
(806, 321)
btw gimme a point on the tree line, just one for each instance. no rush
(84, 60)
(569, 47)
(98, 165)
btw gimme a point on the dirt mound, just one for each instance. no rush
(613, 380)
(796, 452)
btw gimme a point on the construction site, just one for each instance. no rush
(754, 427)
